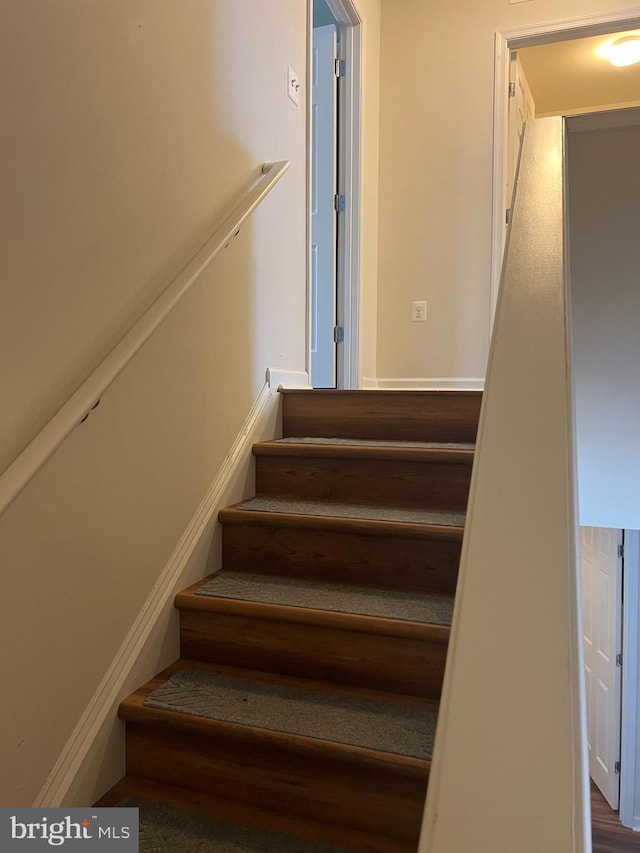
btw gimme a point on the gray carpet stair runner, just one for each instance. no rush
(293, 592)
(166, 829)
(381, 726)
(342, 510)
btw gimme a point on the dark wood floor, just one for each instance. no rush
(609, 836)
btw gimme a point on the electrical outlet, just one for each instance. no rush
(293, 86)
(419, 312)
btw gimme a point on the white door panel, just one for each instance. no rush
(602, 617)
(323, 214)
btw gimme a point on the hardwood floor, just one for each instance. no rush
(609, 836)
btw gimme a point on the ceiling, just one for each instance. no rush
(567, 76)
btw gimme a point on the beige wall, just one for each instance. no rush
(369, 11)
(128, 127)
(436, 117)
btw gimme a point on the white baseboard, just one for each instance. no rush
(431, 384)
(114, 684)
(368, 383)
(277, 378)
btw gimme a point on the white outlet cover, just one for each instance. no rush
(293, 86)
(419, 311)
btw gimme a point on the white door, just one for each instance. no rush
(323, 212)
(521, 109)
(602, 614)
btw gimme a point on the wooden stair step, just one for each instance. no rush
(185, 803)
(447, 524)
(401, 613)
(449, 416)
(372, 449)
(380, 652)
(268, 710)
(396, 476)
(230, 754)
(403, 550)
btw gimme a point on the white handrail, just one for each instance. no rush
(509, 768)
(22, 470)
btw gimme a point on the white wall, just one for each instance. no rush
(604, 225)
(128, 128)
(436, 119)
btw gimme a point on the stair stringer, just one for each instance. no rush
(92, 760)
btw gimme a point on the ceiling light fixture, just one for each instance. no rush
(624, 51)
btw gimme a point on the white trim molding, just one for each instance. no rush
(277, 378)
(431, 384)
(260, 423)
(629, 786)
(350, 185)
(368, 383)
(350, 26)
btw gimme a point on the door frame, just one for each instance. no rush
(599, 627)
(629, 782)
(349, 184)
(504, 42)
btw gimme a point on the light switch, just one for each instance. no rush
(293, 86)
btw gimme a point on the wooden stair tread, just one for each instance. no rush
(293, 681)
(375, 442)
(235, 705)
(371, 449)
(368, 610)
(359, 518)
(242, 812)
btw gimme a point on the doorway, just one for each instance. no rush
(334, 192)
(521, 40)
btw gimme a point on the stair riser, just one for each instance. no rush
(409, 416)
(384, 482)
(392, 664)
(383, 562)
(378, 798)
(249, 813)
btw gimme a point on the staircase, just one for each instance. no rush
(311, 665)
